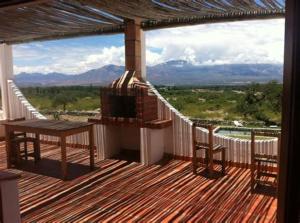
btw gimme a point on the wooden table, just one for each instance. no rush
(61, 129)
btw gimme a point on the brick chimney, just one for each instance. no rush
(135, 49)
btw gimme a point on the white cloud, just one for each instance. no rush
(32, 69)
(237, 42)
(223, 43)
(112, 55)
(69, 60)
(152, 58)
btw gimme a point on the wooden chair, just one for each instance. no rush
(20, 138)
(210, 149)
(258, 158)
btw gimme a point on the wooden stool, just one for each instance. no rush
(23, 152)
(20, 138)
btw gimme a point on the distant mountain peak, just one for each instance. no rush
(175, 63)
(175, 72)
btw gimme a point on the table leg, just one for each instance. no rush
(91, 147)
(223, 161)
(63, 157)
(211, 163)
(37, 136)
(8, 146)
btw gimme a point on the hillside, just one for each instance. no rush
(169, 73)
(251, 103)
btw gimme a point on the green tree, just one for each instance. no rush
(262, 102)
(63, 100)
(250, 104)
(273, 95)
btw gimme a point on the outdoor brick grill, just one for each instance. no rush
(128, 100)
(129, 120)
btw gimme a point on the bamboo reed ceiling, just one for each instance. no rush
(24, 21)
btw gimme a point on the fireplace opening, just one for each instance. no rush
(122, 106)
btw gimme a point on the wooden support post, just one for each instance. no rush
(289, 174)
(135, 48)
(143, 56)
(6, 73)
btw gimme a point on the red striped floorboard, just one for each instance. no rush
(122, 191)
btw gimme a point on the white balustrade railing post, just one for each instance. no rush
(238, 150)
(6, 73)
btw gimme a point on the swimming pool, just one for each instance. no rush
(233, 131)
(240, 133)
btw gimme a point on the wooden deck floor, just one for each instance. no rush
(121, 191)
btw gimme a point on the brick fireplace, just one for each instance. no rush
(128, 100)
(129, 120)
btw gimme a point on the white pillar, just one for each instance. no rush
(10, 207)
(6, 73)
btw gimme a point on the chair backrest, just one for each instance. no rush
(210, 129)
(266, 133)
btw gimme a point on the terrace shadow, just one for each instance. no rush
(52, 168)
(265, 190)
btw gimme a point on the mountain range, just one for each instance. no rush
(177, 72)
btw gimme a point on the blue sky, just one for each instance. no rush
(222, 43)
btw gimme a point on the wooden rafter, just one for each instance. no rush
(9, 5)
(24, 20)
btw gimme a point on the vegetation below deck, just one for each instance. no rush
(70, 98)
(255, 104)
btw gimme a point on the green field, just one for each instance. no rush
(79, 98)
(256, 102)
(251, 103)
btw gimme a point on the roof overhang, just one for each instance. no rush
(30, 20)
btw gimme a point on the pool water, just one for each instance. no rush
(227, 132)
(243, 133)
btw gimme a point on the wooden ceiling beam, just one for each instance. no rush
(69, 35)
(28, 20)
(173, 23)
(9, 5)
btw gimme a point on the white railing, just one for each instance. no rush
(1, 114)
(20, 107)
(238, 149)
(181, 136)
